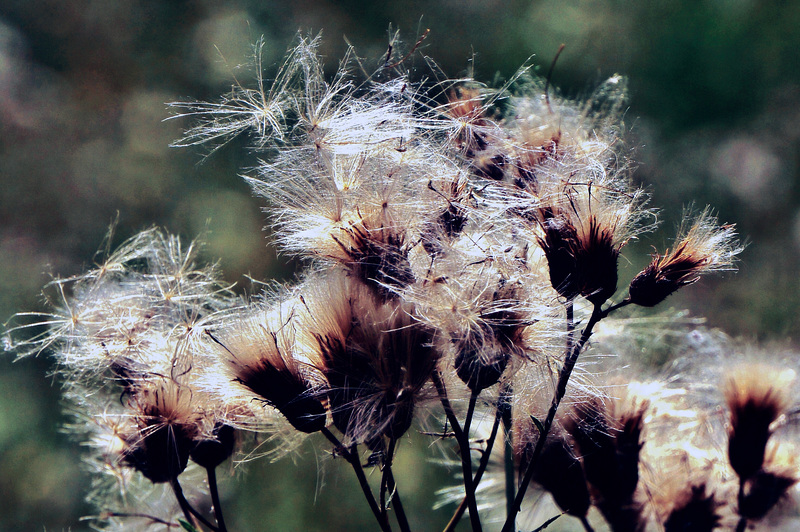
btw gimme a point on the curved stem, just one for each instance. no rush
(561, 388)
(463, 444)
(188, 511)
(451, 525)
(352, 458)
(212, 487)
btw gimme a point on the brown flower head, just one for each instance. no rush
(164, 431)
(260, 354)
(756, 396)
(704, 247)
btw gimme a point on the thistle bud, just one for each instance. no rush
(756, 397)
(213, 449)
(166, 427)
(694, 511)
(480, 366)
(705, 247)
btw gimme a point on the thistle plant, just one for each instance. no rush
(461, 247)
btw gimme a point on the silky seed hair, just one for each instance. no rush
(261, 356)
(702, 246)
(376, 357)
(450, 229)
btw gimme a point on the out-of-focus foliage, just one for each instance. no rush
(715, 103)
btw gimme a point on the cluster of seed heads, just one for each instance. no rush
(460, 245)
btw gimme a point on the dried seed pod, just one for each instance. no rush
(694, 511)
(259, 353)
(560, 473)
(166, 426)
(756, 396)
(213, 449)
(704, 247)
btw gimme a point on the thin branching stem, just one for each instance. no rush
(212, 487)
(473, 399)
(397, 503)
(448, 408)
(464, 450)
(154, 519)
(192, 515)
(504, 411)
(741, 526)
(561, 388)
(352, 458)
(387, 471)
(479, 472)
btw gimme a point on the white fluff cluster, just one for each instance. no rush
(461, 245)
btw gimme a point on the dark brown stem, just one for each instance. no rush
(624, 303)
(741, 526)
(212, 487)
(561, 388)
(397, 504)
(463, 444)
(192, 515)
(387, 470)
(149, 517)
(586, 526)
(479, 473)
(352, 458)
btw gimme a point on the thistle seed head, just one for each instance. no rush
(704, 247)
(756, 396)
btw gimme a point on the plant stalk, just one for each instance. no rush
(192, 515)
(463, 444)
(352, 458)
(561, 388)
(212, 487)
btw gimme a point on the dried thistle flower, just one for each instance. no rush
(560, 472)
(260, 353)
(756, 396)
(164, 431)
(375, 357)
(609, 438)
(704, 247)
(695, 510)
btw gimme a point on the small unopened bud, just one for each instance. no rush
(166, 427)
(478, 368)
(209, 452)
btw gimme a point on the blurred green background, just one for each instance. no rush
(714, 117)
